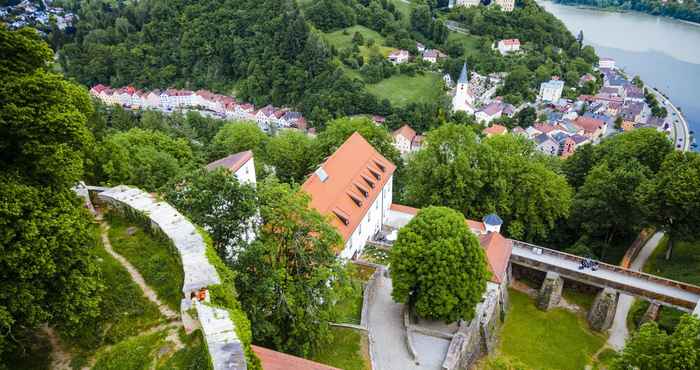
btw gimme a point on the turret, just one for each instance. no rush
(492, 223)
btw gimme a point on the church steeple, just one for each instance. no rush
(463, 76)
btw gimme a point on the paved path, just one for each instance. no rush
(618, 331)
(386, 325)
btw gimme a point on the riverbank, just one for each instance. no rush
(617, 9)
(680, 125)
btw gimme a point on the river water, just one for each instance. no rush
(665, 53)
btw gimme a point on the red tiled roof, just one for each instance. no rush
(273, 360)
(404, 209)
(498, 250)
(356, 161)
(510, 42)
(589, 124)
(544, 128)
(494, 130)
(233, 162)
(405, 131)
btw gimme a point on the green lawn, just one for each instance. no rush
(347, 350)
(556, 339)
(581, 299)
(156, 259)
(125, 312)
(470, 42)
(343, 41)
(403, 89)
(684, 264)
(405, 9)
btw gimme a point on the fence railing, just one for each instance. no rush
(616, 269)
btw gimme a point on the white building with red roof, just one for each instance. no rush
(406, 140)
(399, 56)
(508, 46)
(241, 165)
(353, 187)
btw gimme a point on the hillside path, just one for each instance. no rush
(618, 331)
(148, 292)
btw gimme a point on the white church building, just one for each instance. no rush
(464, 97)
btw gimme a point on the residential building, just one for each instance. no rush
(463, 99)
(490, 112)
(506, 5)
(592, 127)
(634, 93)
(567, 147)
(399, 56)
(545, 144)
(420, 47)
(241, 165)
(354, 187)
(606, 63)
(508, 46)
(495, 130)
(467, 3)
(432, 55)
(403, 139)
(551, 91)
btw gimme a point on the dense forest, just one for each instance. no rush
(262, 50)
(688, 10)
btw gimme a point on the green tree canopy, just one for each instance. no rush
(339, 130)
(283, 277)
(235, 137)
(291, 155)
(146, 159)
(48, 272)
(438, 266)
(652, 348)
(218, 202)
(671, 200)
(503, 174)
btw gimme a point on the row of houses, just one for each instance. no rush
(401, 56)
(221, 106)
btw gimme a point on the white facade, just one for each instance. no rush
(467, 3)
(246, 174)
(606, 63)
(506, 5)
(508, 46)
(371, 222)
(551, 91)
(463, 99)
(402, 144)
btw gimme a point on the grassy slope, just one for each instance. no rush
(345, 350)
(469, 42)
(402, 89)
(193, 357)
(134, 353)
(125, 311)
(684, 264)
(557, 339)
(342, 41)
(155, 259)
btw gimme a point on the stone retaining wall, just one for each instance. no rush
(226, 351)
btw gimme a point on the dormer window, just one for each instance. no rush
(355, 198)
(376, 174)
(361, 189)
(368, 181)
(380, 165)
(342, 216)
